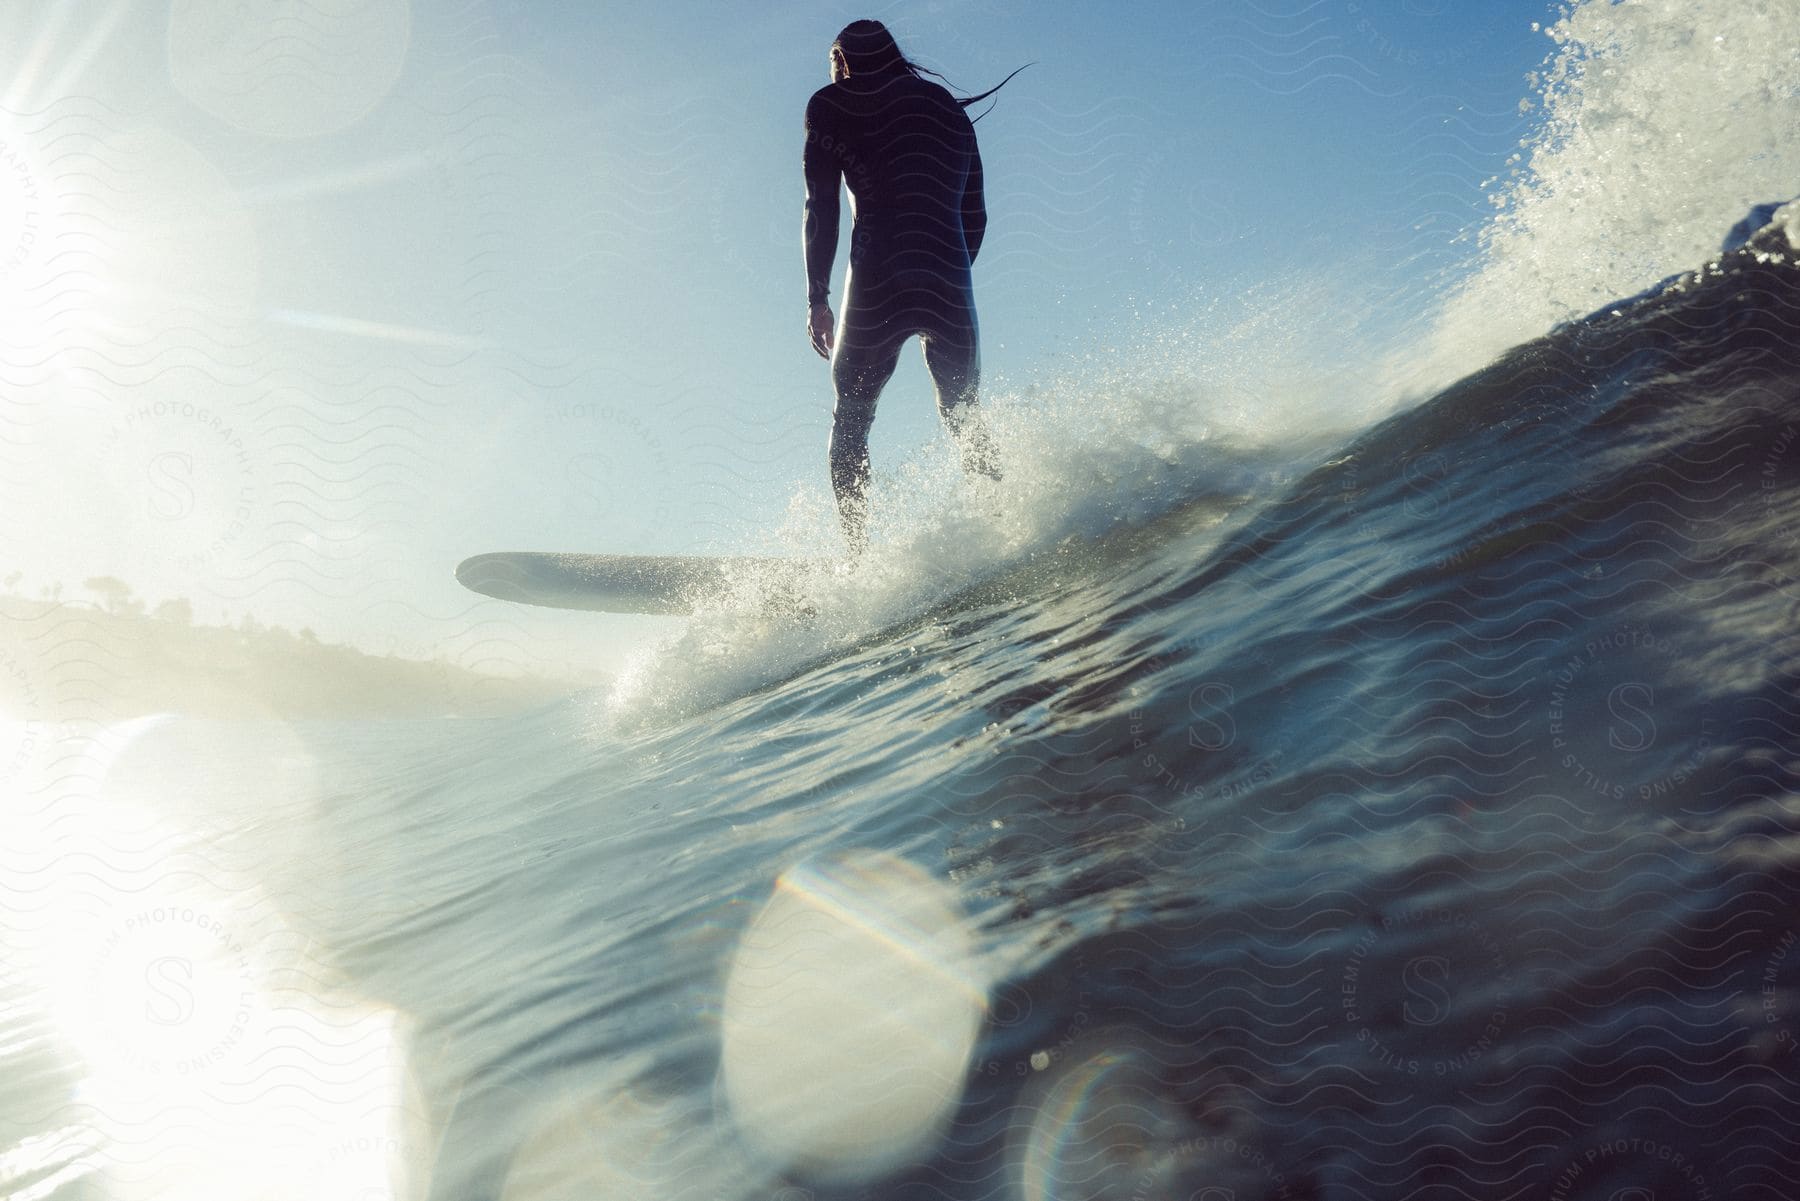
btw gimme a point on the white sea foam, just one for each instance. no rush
(1220, 407)
(1077, 463)
(1662, 122)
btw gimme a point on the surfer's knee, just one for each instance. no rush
(851, 421)
(955, 373)
(852, 416)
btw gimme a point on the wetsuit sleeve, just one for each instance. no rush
(819, 227)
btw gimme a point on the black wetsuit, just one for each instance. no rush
(907, 151)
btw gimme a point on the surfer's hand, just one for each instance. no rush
(818, 324)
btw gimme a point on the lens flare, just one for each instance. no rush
(1104, 1122)
(849, 1016)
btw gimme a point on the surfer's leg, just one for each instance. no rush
(858, 375)
(953, 356)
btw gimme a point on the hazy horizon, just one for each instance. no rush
(308, 308)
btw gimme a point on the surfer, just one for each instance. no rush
(907, 151)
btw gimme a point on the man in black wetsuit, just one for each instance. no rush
(907, 150)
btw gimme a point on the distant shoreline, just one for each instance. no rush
(81, 661)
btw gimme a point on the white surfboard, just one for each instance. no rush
(624, 583)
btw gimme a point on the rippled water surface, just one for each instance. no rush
(1418, 823)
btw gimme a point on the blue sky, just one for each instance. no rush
(527, 275)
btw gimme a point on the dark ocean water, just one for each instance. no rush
(1425, 827)
(1425, 830)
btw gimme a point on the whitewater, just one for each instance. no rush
(1254, 797)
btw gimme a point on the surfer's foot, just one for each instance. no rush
(855, 543)
(973, 441)
(788, 603)
(853, 509)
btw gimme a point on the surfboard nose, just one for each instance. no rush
(499, 575)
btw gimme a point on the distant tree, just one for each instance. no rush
(308, 637)
(116, 593)
(178, 611)
(12, 581)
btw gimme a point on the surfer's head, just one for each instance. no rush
(864, 48)
(867, 48)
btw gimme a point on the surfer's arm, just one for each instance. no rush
(974, 205)
(819, 228)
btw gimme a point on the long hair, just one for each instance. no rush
(868, 48)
